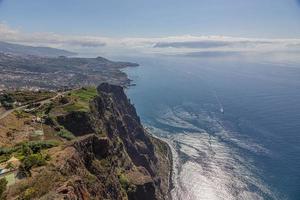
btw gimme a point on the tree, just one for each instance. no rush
(3, 184)
(26, 150)
(30, 161)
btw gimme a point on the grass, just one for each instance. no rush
(85, 94)
(77, 106)
(30, 96)
(127, 187)
(18, 150)
(21, 114)
(124, 181)
(11, 179)
(80, 99)
(65, 134)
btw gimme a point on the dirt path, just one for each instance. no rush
(6, 113)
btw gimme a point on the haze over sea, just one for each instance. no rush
(234, 124)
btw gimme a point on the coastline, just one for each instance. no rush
(170, 157)
(162, 140)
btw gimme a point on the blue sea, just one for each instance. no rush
(233, 124)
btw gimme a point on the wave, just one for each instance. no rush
(208, 159)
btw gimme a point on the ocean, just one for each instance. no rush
(233, 124)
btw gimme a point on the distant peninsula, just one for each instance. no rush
(18, 49)
(53, 73)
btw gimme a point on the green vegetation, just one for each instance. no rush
(85, 94)
(21, 114)
(7, 101)
(105, 163)
(26, 97)
(11, 179)
(28, 194)
(48, 108)
(91, 179)
(30, 161)
(80, 99)
(76, 106)
(3, 184)
(6, 98)
(65, 134)
(9, 98)
(4, 158)
(37, 146)
(63, 100)
(42, 184)
(32, 157)
(72, 102)
(25, 148)
(10, 166)
(160, 146)
(125, 183)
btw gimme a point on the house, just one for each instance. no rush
(3, 171)
(13, 162)
(37, 120)
(9, 170)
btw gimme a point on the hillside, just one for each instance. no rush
(18, 49)
(93, 146)
(34, 72)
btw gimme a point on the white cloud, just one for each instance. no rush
(9, 34)
(172, 45)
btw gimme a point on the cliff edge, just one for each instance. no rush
(111, 157)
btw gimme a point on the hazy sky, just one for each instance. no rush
(192, 27)
(148, 18)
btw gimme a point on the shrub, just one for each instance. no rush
(50, 121)
(28, 194)
(49, 108)
(124, 181)
(20, 114)
(26, 150)
(3, 184)
(65, 134)
(10, 166)
(34, 160)
(63, 100)
(6, 98)
(37, 146)
(28, 162)
(7, 105)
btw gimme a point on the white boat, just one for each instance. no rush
(222, 110)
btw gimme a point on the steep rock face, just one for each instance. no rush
(116, 160)
(76, 122)
(118, 118)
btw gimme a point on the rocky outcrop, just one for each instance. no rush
(112, 157)
(77, 122)
(118, 118)
(115, 116)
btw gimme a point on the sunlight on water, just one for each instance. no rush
(205, 165)
(233, 125)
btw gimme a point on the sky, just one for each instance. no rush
(144, 18)
(101, 25)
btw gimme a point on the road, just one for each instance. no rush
(6, 113)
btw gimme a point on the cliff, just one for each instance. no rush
(112, 157)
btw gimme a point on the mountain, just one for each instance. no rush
(18, 49)
(103, 151)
